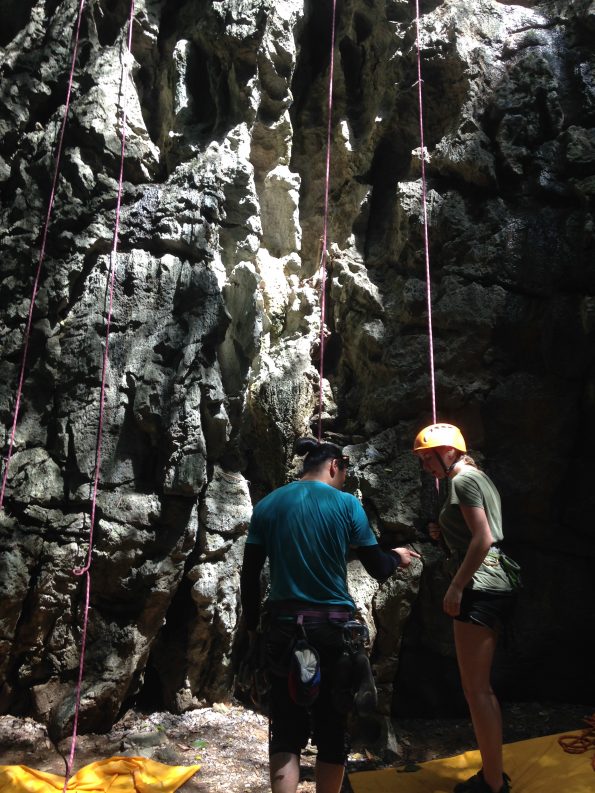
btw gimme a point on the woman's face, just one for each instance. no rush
(430, 460)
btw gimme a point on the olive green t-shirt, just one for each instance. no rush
(472, 488)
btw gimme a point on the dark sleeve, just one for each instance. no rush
(378, 563)
(254, 559)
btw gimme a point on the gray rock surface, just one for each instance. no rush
(214, 343)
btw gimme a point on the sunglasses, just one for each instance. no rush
(343, 462)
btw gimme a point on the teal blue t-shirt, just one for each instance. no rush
(306, 528)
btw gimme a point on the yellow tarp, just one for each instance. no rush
(115, 775)
(538, 765)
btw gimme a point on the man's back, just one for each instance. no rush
(306, 529)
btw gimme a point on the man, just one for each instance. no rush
(306, 529)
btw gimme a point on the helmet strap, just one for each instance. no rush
(446, 469)
(441, 461)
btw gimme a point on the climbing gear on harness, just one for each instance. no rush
(512, 570)
(304, 669)
(477, 784)
(435, 435)
(354, 682)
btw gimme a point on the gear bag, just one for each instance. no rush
(512, 570)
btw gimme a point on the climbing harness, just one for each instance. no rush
(295, 658)
(324, 254)
(41, 258)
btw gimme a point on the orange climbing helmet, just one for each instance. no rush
(439, 435)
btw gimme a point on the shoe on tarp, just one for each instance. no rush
(477, 784)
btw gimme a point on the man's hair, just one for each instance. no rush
(316, 453)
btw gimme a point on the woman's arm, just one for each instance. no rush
(481, 540)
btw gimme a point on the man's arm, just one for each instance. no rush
(378, 563)
(254, 559)
(381, 564)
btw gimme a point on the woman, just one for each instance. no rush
(481, 593)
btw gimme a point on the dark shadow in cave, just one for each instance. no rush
(110, 18)
(15, 16)
(314, 38)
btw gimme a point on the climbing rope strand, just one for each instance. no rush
(110, 298)
(85, 569)
(323, 257)
(584, 742)
(425, 216)
(41, 258)
(79, 683)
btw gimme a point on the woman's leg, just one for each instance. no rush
(475, 645)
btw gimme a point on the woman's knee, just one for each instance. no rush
(478, 693)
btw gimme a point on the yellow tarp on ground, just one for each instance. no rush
(116, 775)
(538, 765)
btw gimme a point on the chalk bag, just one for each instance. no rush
(304, 672)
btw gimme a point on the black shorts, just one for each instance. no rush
(488, 608)
(292, 725)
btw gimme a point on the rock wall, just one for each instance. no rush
(214, 341)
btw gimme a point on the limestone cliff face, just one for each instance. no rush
(214, 338)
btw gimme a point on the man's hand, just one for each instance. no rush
(407, 556)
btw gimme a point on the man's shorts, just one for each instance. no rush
(488, 608)
(292, 725)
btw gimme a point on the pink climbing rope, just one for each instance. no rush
(41, 258)
(86, 567)
(425, 217)
(325, 221)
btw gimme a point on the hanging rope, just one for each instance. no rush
(425, 216)
(325, 221)
(44, 234)
(85, 570)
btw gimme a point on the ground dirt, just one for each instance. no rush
(229, 742)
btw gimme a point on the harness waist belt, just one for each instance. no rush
(341, 616)
(289, 610)
(329, 615)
